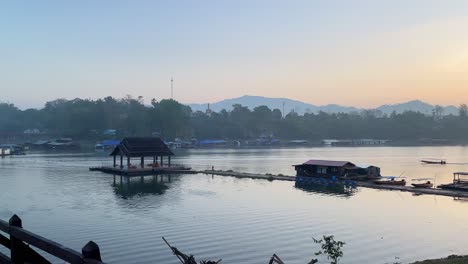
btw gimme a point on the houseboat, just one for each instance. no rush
(13, 149)
(4, 152)
(354, 142)
(106, 145)
(212, 143)
(63, 144)
(263, 140)
(336, 169)
(38, 145)
(298, 142)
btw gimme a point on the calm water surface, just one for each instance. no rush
(238, 220)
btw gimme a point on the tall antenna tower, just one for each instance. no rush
(282, 113)
(172, 88)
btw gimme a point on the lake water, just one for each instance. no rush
(238, 220)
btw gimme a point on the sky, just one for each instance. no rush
(348, 52)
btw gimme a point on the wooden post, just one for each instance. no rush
(142, 162)
(169, 160)
(121, 161)
(154, 159)
(128, 162)
(16, 245)
(162, 162)
(91, 251)
(115, 160)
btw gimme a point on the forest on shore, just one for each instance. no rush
(79, 118)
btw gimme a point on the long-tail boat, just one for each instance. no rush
(401, 182)
(434, 161)
(427, 184)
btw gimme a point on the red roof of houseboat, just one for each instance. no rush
(328, 163)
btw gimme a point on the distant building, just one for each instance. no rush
(32, 131)
(354, 142)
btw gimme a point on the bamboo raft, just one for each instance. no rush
(139, 171)
(371, 185)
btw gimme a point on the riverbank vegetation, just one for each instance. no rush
(448, 260)
(80, 118)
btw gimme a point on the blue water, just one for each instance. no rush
(238, 220)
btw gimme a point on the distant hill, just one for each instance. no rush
(301, 107)
(417, 106)
(273, 103)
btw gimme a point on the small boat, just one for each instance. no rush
(427, 184)
(434, 161)
(391, 182)
(99, 147)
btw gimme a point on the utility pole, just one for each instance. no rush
(172, 88)
(282, 113)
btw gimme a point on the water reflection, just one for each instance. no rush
(460, 199)
(126, 187)
(336, 188)
(228, 217)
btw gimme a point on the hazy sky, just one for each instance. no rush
(359, 53)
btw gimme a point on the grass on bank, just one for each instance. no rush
(453, 259)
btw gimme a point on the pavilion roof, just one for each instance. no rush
(142, 147)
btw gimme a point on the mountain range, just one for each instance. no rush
(301, 107)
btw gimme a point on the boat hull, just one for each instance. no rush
(422, 185)
(393, 183)
(433, 162)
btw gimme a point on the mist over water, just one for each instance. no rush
(238, 220)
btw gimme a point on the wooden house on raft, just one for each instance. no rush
(336, 169)
(130, 154)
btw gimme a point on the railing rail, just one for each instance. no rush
(22, 253)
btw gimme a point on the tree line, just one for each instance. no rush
(80, 118)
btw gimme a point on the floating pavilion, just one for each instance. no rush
(139, 148)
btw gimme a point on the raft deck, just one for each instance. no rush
(139, 171)
(431, 191)
(458, 192)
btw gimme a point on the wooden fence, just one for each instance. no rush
(20, 241)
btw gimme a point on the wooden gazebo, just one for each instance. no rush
(142, 147)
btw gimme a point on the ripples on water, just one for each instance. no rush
(238, 220)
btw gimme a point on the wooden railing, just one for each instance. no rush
(20, 241)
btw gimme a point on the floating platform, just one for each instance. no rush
(454, 186)
(249, 175)
(452, 190)
(460, 192)
(143, 171)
